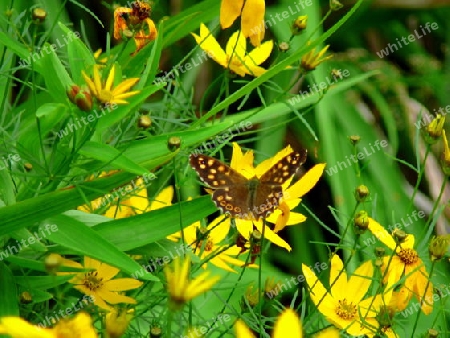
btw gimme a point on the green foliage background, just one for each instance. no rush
(199, 106)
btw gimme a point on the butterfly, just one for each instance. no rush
(244, 198)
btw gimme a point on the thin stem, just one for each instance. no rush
(424, 293)
(261, 328)
(419, 179)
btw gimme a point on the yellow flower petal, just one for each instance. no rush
(307, 182)
(252, 20)
(110, 79)
(272, 236)
(236, 46)
(163, 199)
(360, 282)
(338, 277)
(242, 163)
(230, 10)
(379, 232)
(329, 332)
(19, 328)
(208, 43)
(242, 331)
(259, 54)
(287, 325)
(122, 284)
(124, 86)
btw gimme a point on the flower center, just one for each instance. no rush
(105, 96)
(234, 62)
(408, 256)
(346, 311)
(92, 282)
(208, 245)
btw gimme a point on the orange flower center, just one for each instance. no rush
(208, 245)
(346, 311)
(92, 281)
(408, 256)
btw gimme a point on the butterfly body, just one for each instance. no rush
(239, 196)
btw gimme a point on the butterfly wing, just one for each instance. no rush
(269, 191)
(231, 193)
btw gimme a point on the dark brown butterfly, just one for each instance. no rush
(245, 198)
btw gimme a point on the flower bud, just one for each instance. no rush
(354, 139)
(299, 24)
(335, 5)
(174, 143)
(399, 235)
(379, 251)
(433, 131)
(445, 157)
(283, 46)
(439, 246)
(361, 193)
(144, 122)
(361, 221)
(271, 287)
(432, 333)
(117, 321)
(26, 298)
(379, 262)
(39, 15)
(53, 262)
(155, 331)
(80, 97)
(28, 166)
(251, 298)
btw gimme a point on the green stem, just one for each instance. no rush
(261, 328)
(169, 324)
(419, 179)
(424, 295)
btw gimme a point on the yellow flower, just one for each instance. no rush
(206, 244)
(311, 60)
(235, 56)
(282, 215)
(445, 158)
(116, 322)
(377, 312)
(286, 325)
(340, 304)
(138, 17)
(180, 287)
(99, 283)
(105, 93)
(78, 327)
(435, 128)
(252, 17)
(406, 262)
(129, 200)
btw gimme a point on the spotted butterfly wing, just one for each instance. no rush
(230, 188)
(241, 197)
(269, 190)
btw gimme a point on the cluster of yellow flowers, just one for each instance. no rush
(345, 302)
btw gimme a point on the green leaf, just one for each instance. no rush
(8, 305)
(133, 232)
(45, 119)
(112, 156)
(57, 80)
(42, 282)
(84, 240)
(121, 111)
(80, 57)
